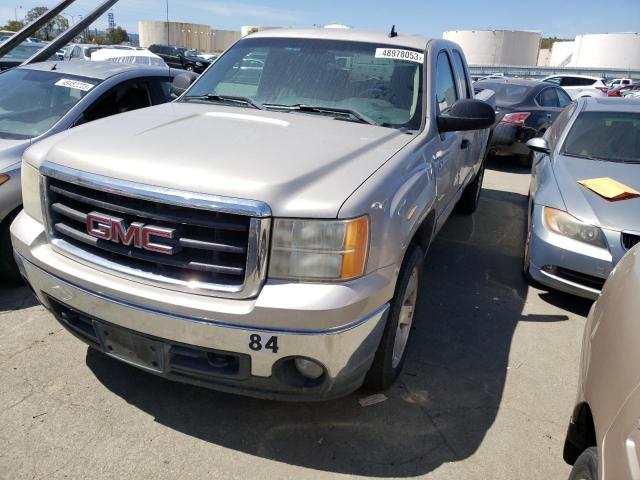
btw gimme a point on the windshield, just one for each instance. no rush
(611, 136)
(339, 75)
(505, 92)
(31, 101)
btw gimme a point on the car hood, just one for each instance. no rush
(590, 207)
(11, 152)
(299, 164)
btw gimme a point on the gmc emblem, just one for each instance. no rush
(137, 234)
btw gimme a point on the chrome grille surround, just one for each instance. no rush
(258, 213)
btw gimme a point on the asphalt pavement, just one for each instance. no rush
(486, 392)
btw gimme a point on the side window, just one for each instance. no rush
(462, 74)
(563, 98)
(548, 98)
(554, 132)
(126, 97)
(446, 94)
(569, 82)
(554, 80)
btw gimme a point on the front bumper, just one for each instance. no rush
(338, 326)
(565, 264)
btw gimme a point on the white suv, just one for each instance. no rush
(580, 85)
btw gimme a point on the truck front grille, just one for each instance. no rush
(211, 249)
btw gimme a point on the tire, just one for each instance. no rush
(389, 358)
(470, 198)
(586, 466)
(189, 68)
(9, 272)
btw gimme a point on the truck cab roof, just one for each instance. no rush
(347, 35)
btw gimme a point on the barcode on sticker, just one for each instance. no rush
(75, 84)
(399, 54)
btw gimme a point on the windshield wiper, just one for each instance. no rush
(300, 107)
(228, 98)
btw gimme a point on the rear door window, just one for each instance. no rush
(563, 98)
(462, 74)
(548, 98)
(446, 93)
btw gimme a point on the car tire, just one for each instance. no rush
(392, 351)
(9, 272)
(586, 466)
(470, 198)
(189, 68)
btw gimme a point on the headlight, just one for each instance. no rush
(314, 250)
(4, 179)
(566, 225)
(31, 191)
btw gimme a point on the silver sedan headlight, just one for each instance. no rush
(565, 224)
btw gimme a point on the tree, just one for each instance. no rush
(52, 28)
(116, 36)
(13, 25)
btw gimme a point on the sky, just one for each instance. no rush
(561, 18)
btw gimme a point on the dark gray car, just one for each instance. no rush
(575, 236)
(40, 100)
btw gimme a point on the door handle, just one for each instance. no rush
(465, 144)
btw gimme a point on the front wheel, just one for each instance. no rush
(392, 350)
(586, 466)
(189, 68)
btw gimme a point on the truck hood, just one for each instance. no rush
(590, 207)
(11, 152)
(299, 164)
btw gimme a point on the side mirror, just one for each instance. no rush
(182, 82)
(538, 144)
(467, 114)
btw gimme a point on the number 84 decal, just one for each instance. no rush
(256, 343)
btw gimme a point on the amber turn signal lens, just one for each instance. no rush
(356, 244)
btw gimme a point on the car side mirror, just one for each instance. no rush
(467, 114)
(539, 145)
(182, 82)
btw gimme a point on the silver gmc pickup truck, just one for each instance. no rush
(263, 234)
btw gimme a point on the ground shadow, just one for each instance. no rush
(440, 409)
(507, 164)
(16, 296)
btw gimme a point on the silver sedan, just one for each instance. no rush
(576, 236)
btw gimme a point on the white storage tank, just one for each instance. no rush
(497, 47)
(607, 50)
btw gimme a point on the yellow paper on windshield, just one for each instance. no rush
(609, 188)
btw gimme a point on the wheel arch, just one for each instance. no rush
(425, 232)
(581, 434)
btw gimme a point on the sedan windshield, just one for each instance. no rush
(610, 136)
(31, 101)
(350, 81)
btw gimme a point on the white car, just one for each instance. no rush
(578, 86)
(139, 56)
(618, 82)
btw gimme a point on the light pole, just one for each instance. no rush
(15, 11)
(168, 29)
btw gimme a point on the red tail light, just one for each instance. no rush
(614, 93)
(516, 118)
(603, 89)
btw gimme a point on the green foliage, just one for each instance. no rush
(116, 36)
(548, 42)
(52, 28)
(13, 25)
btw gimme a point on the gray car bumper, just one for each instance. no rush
(565, 264)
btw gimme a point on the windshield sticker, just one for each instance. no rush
(399, 54)
(75, 84)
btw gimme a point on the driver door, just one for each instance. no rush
(447, 160)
